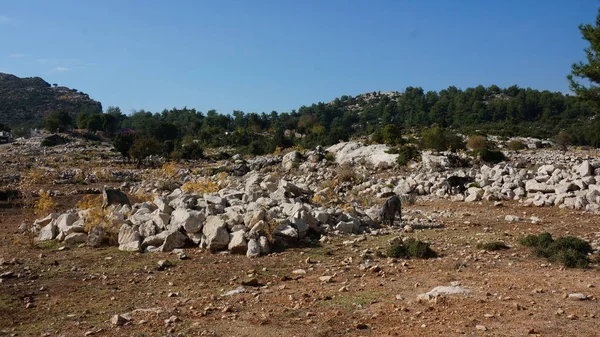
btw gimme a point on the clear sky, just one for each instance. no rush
(259, 55)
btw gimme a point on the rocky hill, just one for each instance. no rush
(25, 101)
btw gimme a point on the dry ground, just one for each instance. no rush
(75, 291)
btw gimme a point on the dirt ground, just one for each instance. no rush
(75, 291)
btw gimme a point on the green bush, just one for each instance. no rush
(491, 246)
(569, 251)
(406, 153)
(411, 248)
(441, 140)
(192, 150)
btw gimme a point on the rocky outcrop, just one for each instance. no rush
(25, 101)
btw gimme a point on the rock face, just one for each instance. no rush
(353, 152)
(29, 99)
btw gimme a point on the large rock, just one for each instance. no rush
(532, 186)
(347, 227)
(174, 239)
(585, 169)
(216, 236)
(565, 187)
(155, 240)
(265, 248)
(66, 220)
(163, 205)
(291, 160)
(75, 238)
(354, 152)
(189, 220)
(443, 290)
(237, 243)
(147, 229)
(96, 237)
(141, 216)
(129, 238)
(253, 249)
(48, 232)
(161, 219)
(43, 222)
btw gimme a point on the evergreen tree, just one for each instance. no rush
(590, 70)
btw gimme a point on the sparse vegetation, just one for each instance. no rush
(411, 248)
(569, 251)
(516, 145)
(406, 153)
(44, 204)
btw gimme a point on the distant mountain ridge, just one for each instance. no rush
(25, 101)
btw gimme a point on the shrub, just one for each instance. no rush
(441, 140)
(406, 153)
(516, 145)
(411, 248)
(144, 147)
(477, 143)
(44, 204)
(491, 246)
(200, 187)
(329, 157)
(54, 140)
(346, 173)
(192, 150)
(569, 251)
(392, 135)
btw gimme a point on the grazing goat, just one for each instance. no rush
(113, 197)
(458, 183)
(389, 209)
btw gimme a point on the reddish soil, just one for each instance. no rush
(513, 293)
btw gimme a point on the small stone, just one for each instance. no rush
(577, 297)
(119, 320)
(164, 264)
(299, 272)
(481, 327)
(326, 279)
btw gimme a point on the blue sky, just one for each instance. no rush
(259, 55)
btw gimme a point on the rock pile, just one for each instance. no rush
(244, 221)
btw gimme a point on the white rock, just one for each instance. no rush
(512, 218)
(141, 216)
(64, 221)
(162, 205)
(533, 186)
(585, 169)
(161, 219)
(237, 243)
(215, 235)
(354, 152)
(48, 232)
(443, 290)
(129, 238)
(75, 238)
(189, 220)
(253, 249)
(265, 248)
